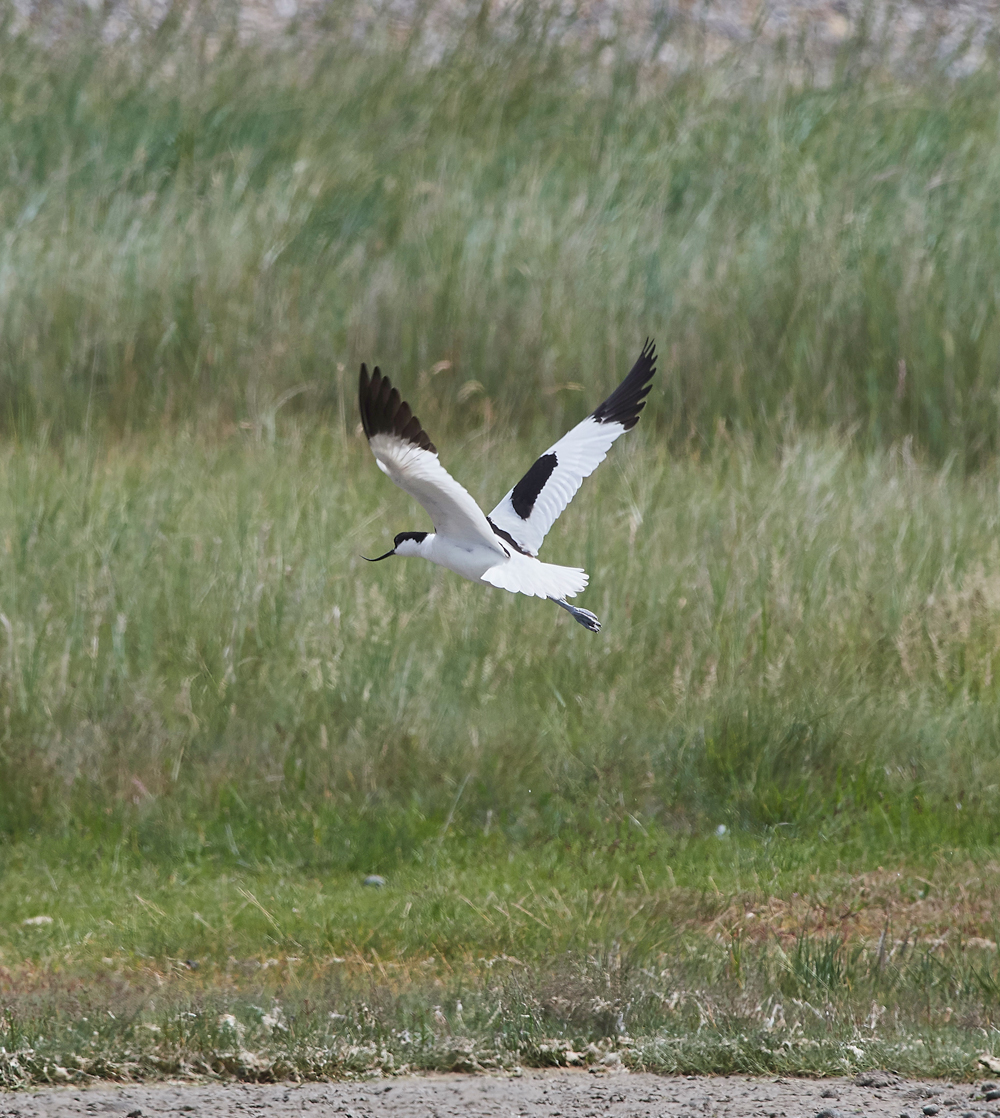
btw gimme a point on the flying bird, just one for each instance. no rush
(500, 549)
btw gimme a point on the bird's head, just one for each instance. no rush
(405, 543)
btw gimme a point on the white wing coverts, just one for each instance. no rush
(531, 508)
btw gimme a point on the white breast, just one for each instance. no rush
(470, 560)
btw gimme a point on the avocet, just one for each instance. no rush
(500, 549)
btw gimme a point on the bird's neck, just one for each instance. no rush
(417, 548)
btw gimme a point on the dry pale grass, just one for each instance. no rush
(949, 907)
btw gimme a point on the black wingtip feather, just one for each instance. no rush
(384, 412)
(628, 399)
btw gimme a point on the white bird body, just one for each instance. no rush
(506, 570)
(501, 549)
(470, 560)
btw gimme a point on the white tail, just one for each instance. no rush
(522, 574)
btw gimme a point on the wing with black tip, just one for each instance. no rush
(530, 509)
(405, 452)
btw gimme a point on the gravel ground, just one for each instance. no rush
(532, 1094)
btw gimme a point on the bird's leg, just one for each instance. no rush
(587, 619)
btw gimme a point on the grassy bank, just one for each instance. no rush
(734, 958)
(778, 755)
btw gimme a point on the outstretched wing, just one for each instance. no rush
(530, 509)
(405, 452)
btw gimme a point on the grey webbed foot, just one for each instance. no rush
(587, 619)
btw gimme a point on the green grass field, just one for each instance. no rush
(752, 825)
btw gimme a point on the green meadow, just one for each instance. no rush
(752, 825)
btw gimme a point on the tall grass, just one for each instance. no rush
(194, 225)
(192, 647)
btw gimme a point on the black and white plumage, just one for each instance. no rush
(500, 549)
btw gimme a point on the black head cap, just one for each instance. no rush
(418, 536)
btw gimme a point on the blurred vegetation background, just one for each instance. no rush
(196, 225)
(795, 555)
